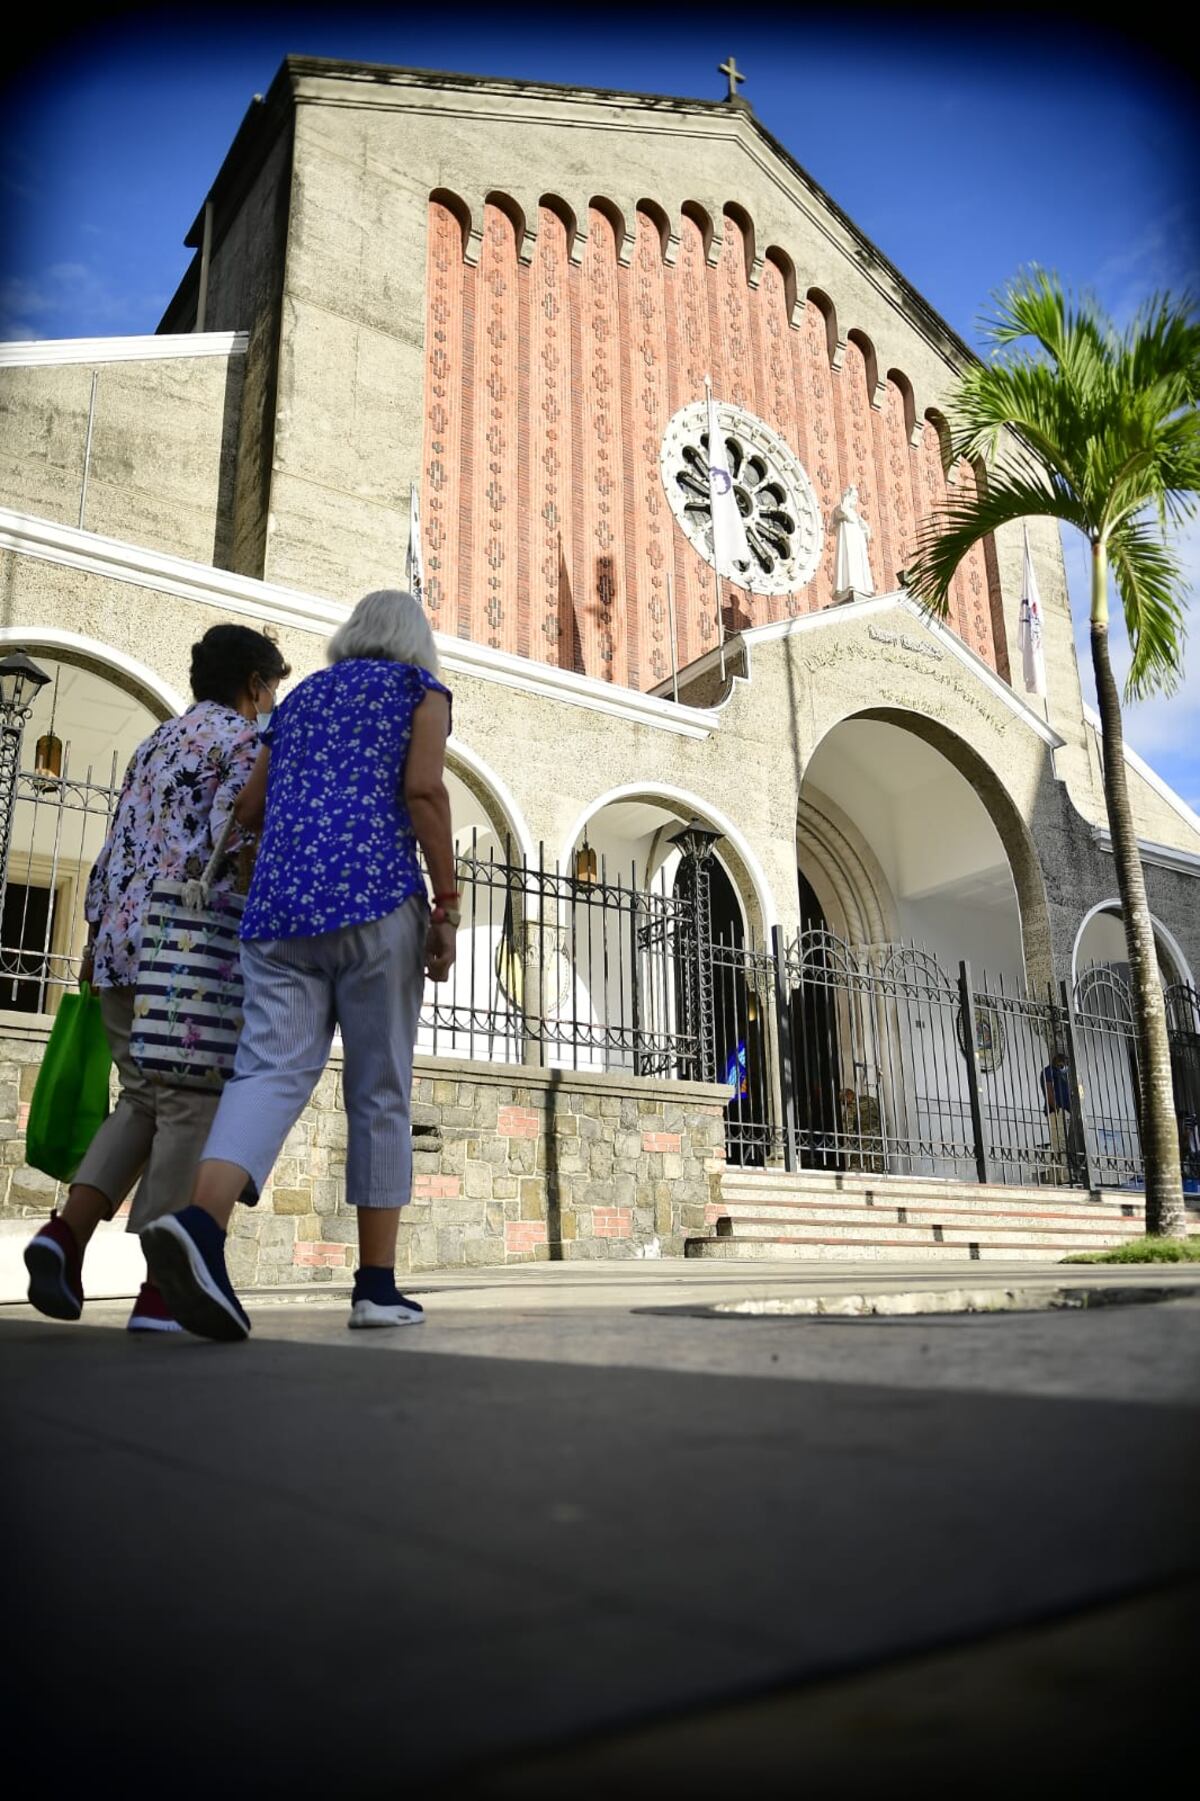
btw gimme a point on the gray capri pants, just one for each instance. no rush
(367, 979)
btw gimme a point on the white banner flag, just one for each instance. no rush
(414, 567)
(1029, 636)
(729, 535)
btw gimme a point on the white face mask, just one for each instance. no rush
(263, 719)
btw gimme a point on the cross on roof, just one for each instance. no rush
(735, 75)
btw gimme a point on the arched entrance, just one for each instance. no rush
(86, 721)
(479, 1012)
(697, 986)
(898, 846)
(816, 1045)
(912, 945)
(1107, 1050)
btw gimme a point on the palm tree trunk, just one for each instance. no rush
(1156, 1099)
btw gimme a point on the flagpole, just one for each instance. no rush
(671, 626)
(716, 570)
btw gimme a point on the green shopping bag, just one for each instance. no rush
(70, 1101)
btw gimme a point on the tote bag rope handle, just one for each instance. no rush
(195, 893)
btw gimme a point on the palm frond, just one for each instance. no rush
(1161, 349)
(993, 401)
(945, 537)
(1073, 334)
(1150, 582)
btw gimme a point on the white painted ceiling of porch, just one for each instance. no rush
(922, 819)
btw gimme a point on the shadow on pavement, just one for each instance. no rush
(287, 1568)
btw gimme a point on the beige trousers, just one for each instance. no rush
(153, 1132)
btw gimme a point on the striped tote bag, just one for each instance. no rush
(187, 1008)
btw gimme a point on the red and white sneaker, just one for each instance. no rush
(150, 1312)
(55, 1271)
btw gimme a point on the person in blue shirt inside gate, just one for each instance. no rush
(1056, 1104)
(337, 932)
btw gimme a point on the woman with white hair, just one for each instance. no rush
(337, 932)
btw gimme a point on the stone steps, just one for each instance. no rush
(784, 1214)
(810, 1216)
(886, 1191)
(979, 1231)
(848, 1250)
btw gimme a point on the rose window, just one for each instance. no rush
(780, 514)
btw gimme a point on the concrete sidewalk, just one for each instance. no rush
(485, 1556)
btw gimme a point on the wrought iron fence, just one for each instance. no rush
(55, 830)
(1183, 1033)
(580, 972)
(875, 1061)
(900, 1068)
(1107, 1075)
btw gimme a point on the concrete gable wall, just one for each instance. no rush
(164, 440)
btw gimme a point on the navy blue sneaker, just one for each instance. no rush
(186, 1255)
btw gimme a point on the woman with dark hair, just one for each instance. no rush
(179, 790)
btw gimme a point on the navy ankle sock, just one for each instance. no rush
(374, 1283)
(205, 1230)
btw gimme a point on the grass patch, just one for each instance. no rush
(1144, 1250)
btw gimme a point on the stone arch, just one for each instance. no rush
(844, 871)
(910, 405)
(460, 212)
(703, 221)
(998, 630)
(494, 797)
(85, 724)
(745, 224)
(871, 360)
(941, 426)
(623, 238)
(515, 214)
(787, 268)
(746, 872)
(835, 342)
(1164, 939)
(1006, 818)
(565, 214)
(123, 671)
(658, 217)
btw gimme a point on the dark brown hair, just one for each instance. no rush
(225, 659)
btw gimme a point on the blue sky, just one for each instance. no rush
(964, 144)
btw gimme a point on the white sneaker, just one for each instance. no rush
(398, 1312)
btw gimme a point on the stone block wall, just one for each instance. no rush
(511, 1164)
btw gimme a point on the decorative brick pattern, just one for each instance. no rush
(548, 389)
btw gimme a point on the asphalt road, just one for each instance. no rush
(555, 1540)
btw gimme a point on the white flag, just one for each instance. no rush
(729, 535)
(414, 567)
(1029, 636)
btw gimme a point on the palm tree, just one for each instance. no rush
(1098, 427)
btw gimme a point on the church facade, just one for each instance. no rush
(773, 883)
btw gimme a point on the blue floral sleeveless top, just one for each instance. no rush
(338, 847)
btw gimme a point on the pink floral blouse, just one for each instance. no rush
(178, 791)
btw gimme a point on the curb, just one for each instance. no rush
(911, 1303)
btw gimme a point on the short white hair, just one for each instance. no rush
(389, 624)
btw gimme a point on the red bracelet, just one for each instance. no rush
(453, 895)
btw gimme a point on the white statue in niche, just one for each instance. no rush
(852, 565)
